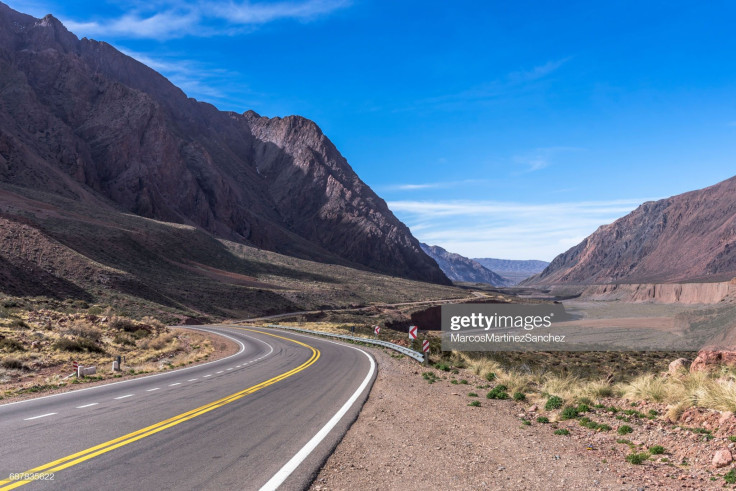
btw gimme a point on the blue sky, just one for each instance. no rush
(493, 129)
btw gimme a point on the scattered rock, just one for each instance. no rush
(678, 367)
(722, 458)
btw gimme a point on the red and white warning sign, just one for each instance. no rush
(425, 346)
(75, 365)
(376, 330)
(412, 332)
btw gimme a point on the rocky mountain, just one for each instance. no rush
(460, 268)
(81, 120)
(513, 270)
(685, 238)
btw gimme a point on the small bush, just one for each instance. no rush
(474, 404)
(123, 324)
(624, 430)
(562, 431)
(526, 422)
(453, 382)
(730, 477)
(553, 402)
(78, 345)
(464, 382)
(657, 450)
(123, 339)
(543, 419)
(442, 366)
(12, 364)
(583, 408)
(141, 333)
(17, 323)
(472, 394)
(519, 396)
(7, 344)
(498, 392)
(490, 376)
(637, 458)
(732, 438)
(569, 412)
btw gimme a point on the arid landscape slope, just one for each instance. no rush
(690, 237)
(80, 120)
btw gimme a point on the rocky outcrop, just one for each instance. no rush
(686, 238)
(462, 269)
(84, 121)
(686, 293)
(713, 359)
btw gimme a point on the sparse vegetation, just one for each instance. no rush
(542, 419)
(637, 458)
(498, 392)
(562, 431)
(474, 404)
(553, 402)
(656, 450)
(624, 430)
(519, 396)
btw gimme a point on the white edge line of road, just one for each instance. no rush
(288, 468)
(77, 391)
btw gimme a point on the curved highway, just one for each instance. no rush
(264, 418)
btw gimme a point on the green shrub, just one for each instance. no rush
(553, 402)
(474, 404)
(490, 376)
(583, 408)
(569, 412)
(542, 419)
(442, 366)
(562, 431)
(637, 458)
(124, 339)
(472, 394)
(464, 382)
(656, 450)
(624, 430)
(730, 477)
(519, 396)
(498, 392)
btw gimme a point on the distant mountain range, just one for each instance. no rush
(462, 269)
(82, 121)
(690, 237)
(513, 270)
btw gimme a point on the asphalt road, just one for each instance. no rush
(263, 418)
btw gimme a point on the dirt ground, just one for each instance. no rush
(415, 435)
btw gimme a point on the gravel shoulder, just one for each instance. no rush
(412, 435)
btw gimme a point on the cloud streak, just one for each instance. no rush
(508, 230)
(167, 20)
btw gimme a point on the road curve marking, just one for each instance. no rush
(288, 468)
(155, 388)
(88, 405)
(38, 417)
(124, 397)
(84, 455)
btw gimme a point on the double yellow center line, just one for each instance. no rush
(84, 455)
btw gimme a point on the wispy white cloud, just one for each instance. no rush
(514, 81)
(508, 229)
(430, 185)
(539, 158)
(197, 79)
(203, 18)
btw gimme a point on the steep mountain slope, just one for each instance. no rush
(81, 120)
(513, 270)
(688, 237)
(460, 268)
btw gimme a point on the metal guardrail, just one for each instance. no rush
(396, 347)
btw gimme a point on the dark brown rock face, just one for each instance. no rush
(82, 120)
(688, 237)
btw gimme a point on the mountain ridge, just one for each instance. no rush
(690, 237)
(82, 120)
(462, 269)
